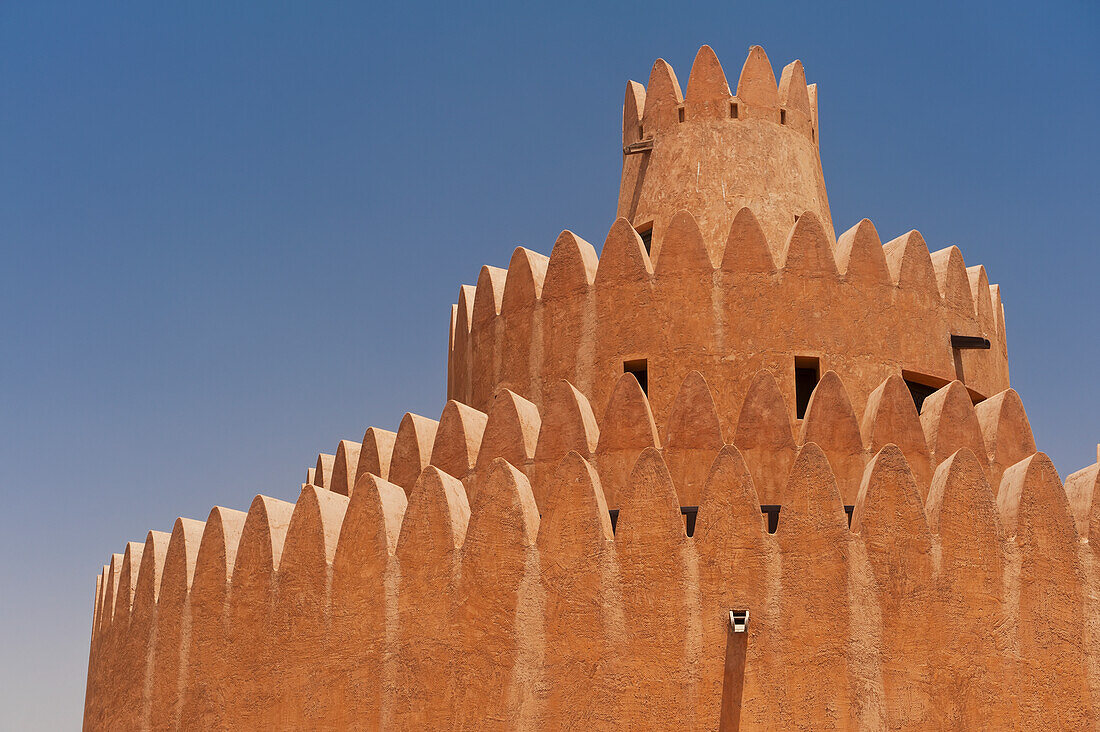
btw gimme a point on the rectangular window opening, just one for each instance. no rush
(807, 372)
(645, 231)
(690, 514)
(921, 386)
(733, 110)
(782, 116)
(920, 392)
(849, 510)
(771, 510)
(641, 132)
(640, 368)
(681, 114)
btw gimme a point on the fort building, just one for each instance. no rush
(734, 472)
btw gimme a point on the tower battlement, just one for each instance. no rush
(714, 152)
(729, 408)
(726, 308)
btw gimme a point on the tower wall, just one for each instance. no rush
(715, 152)
(727, 309)
(938, 606)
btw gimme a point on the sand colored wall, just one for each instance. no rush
(864, 309)
(711, 163)
(942, 605)
(526, 562)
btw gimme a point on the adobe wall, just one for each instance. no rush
(500, 596)
(726, 308)
(714, 152)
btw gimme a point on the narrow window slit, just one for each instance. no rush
(771, 510)
(807, 372)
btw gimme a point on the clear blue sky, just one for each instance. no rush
(231, 233)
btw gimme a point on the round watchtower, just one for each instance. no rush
(723, 260)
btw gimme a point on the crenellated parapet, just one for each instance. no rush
(714, 151)
(727, 309)
(514, 581)
(728, 408)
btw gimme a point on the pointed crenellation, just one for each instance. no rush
(734, 557)
(1082, 488)
(962, 510)
(807, 251)
(170, 654)
(511, 432)
(684, 254)
(523, 282)
(412, 449)
(765, 437)
(813, 540)
(950, 423)
(911, 267)
(301, 620)
(891, 418)
(756, 87)
(576, 553)
(1051, 629)
(633, 107)
(654, 558)
(860, 257)
(135, 654)
(708, 92)
(663, 99)
(458, 439)
(568, 424)
(252, 613)
(1006, 431)
(889, 518)
(692, 438)
(952, 280)
(998, 312)
(499, 587)
(488, 295)
(322, 474)
(831, 423)
(484, 366)
(428, 550)
(795, 98)
(627, 428)
(623, 258)
(461, 362)
(375, 453)
(747, 251)
(571, 269)
(983, 303)
(344, 467)
(208, 668)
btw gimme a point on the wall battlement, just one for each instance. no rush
(334, 607)
(726, 308)
(730, 407)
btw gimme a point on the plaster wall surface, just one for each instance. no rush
(562, 547)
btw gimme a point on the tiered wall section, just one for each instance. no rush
(727, 309)
(714, 152)
(497, 593)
